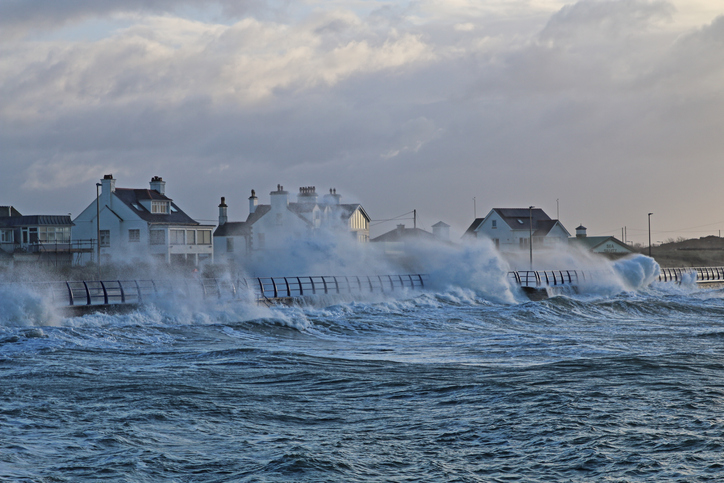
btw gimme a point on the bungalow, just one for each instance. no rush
(138, 224)
(36, 238)
(511, 229)
(604, 245)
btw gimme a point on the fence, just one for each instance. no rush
(264, 289)
(703, 274)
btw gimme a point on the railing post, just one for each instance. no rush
(123, 294)
(301, 289)
(70, 293)
(138, 291)
(289, 292)
(87, 293)
(105, 292)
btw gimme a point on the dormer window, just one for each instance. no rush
(159, 207)
(495, 224)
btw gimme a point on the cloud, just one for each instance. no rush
(421, 105)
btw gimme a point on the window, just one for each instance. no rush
(204, 237)
(229, 244)
(7, 236)
(158, 237)
(33, 231)
(494, 224)
(190, 237)
(105, 238)
(523, 242)
(159, 207)
(176, 237)
(54, 234)
(134, 235)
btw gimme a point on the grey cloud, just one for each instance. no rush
(601, 124)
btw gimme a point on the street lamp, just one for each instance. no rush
(650, 233)
(530, 235)
(98, 230)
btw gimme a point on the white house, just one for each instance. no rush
(273, 226)
(603, 245)
(139, 224)
(510, 229)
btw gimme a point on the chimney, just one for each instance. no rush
(279, 199)
(108, 184)
(222, 212)
(332, 198)
(400, 227)
(581, 231)
(253, 201)
(158, 184)
(307, 194)
(441, 231)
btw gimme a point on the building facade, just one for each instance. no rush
(512, 229)
(44, 239)
(142, 225)
(276, 225)
(608, 246)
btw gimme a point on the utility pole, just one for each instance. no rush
(98, 230)
(650, 233)
(414, 218)
(530, 235)
(558, 213)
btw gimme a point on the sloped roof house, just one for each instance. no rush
(138, 224)
(510, 229)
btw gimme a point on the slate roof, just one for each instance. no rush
(402, 234)
(233, 228)
(132, 197)
(36, 220)
(519, 218)
(593, 242)
(6, 211)
(473, 227)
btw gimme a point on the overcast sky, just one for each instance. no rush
(615, 107)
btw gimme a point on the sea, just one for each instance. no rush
(617, 383)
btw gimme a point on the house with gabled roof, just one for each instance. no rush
(275, 225)
(512, 229)
(136, 224)
(608, 246)
(44, 239)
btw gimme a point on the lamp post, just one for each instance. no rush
(530, 235)
(98, 230)
(650, 233)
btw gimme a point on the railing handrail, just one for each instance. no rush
(112, 292)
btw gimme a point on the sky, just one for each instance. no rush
(601, 111)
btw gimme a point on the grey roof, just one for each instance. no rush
(441, 223)
(519, 218)
(260, 211)
(593, 242)
(473, 227)
(132, 197)
(36, 220)
(345, 211)
(9, 211)
(402, 234)
(233, 228)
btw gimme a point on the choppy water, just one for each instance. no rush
(445, 386)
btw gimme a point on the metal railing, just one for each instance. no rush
(269, 289)
(547, 278)
(701, 274)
